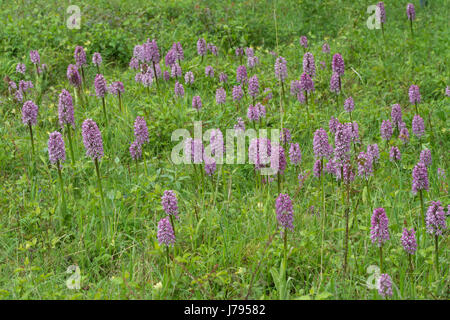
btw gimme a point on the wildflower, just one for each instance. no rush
(349, 105)
(196, 103)
(394, 154)
(385, 284)
(65, 109)
(170, 203)
(435, 220)
(141, 130)
(29, 113)
(409, 240)
(425, 157)
(221, 96)
(165, 234)
(56, 149)
(379, 232)
(92, 139)
(420, 178)
(284, 210)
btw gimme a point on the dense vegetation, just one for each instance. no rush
(228, 242)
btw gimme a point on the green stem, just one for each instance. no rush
(69, 136)
(137, 168)
(436, 256)
(63, 204)
(411, 25)
(381, 259)
(104, 110)
(422, 211)
(32, 141)
(173, 224)
(99, 181)
(120, 102)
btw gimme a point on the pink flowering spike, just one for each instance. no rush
(73, 76)
(175, 70)
(365, 165)
(80, 56)
(309, 66)
(425, 157)
(65, 109)
(306, 83)
(194, 150)
(92, 139)
(166, 235)
(381, 12)
(379, 232)
(56, 148)
(410, 11)
(261, 109)
(349, 104)
(179, 90)
(404, 133)
(420, 178)
(317, 168)
(285, 212)
(170, 58)
(385, 285)
(237, 93)
(196, 103)
(418, 126)
(342, 143)
(216, 143)
(295, 155)
(326, 48)
(29, 113)
(386, 130)
(241, 74)
(135, 150)
(210, 166)
(285, 136)
(141, 130)
(189, 77)
(259, 152)
(334, 83)
(170, 203)
(322, 148)
(117, 88)
(252, 113)
(414, 94)
(333, 125)
(240, 125)
(97, 59)
(134, 63)
(100, 86)
(253, 86)
(409, 240)
(436, 219)
(304, 41)
(20, 68)
(221, 96)
(34, 57)
(223, 77)
(338, 65)
(396, 115)
(278, 159)
(209, 71)
(201, 47)
(281, 69)
(394, 154)
(373, 152)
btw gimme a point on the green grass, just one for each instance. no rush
(228, 245)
